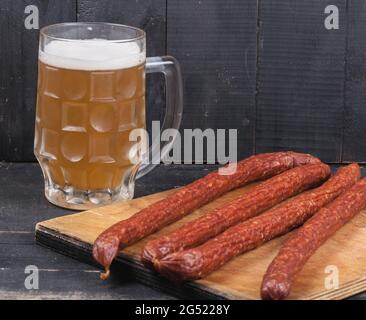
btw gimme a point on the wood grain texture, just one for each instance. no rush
(148, 15)
(60, 277)
(301, 67)
(215, 43)
(309, 80)
(240, 278)
(24, 191)
(354, 148)
(23, 204)
(18, 76)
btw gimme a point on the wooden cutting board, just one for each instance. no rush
(345, 253)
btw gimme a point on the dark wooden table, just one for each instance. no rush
(22, 205)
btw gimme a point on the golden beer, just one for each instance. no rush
(91, 95)
(83, 126)
(84, 117)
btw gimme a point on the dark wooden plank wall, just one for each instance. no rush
(354, 141)
(215, 42)
(300, 78)
(268, 68)
(18, 72)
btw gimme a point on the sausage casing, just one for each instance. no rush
(189, 198)
(299, 247)
(247, 205)
(200, 261)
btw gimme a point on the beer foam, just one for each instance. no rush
(90, 55)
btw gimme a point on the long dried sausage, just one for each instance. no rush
(200, 261)
(247, 205)
(298, 248)
(189, 198)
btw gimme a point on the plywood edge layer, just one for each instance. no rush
(79, 250)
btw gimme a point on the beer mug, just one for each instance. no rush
(91, 95)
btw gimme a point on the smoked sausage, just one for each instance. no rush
(299, 247)
(200, 261)
(185, 200)
(247, 205)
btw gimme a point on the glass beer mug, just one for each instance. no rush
(91, 95)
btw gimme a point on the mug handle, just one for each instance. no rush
(169, 66)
